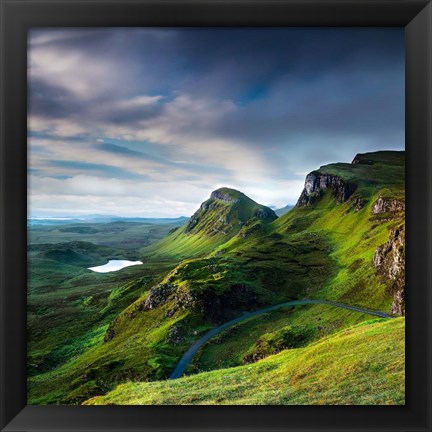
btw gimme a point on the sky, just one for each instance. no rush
(147, 122)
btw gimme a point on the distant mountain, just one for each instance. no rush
(178, 220)
(283, 210)
(103, 219)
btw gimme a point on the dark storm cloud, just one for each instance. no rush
(51, 101)
(238, 63)
(234, 63)
(283, 80)
(54, 102)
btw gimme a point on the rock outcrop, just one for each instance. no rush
(193, 221)
(215, 306)
(389, 260)
(316, 183)
(157, 296)
(176, 334)
(387, 205)
(109, 334)
(358, 203)
(265, 214)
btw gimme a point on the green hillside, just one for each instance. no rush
(358, 226)
(362, 365)
(344, 242)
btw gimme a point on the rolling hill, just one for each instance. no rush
(283, 210)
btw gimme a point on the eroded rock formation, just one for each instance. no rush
(316, 183)
(157, 296)
(389, 260)
(387, 205)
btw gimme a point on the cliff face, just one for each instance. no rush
(316, 183)
(389, 260)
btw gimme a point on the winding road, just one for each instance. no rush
(189, 354)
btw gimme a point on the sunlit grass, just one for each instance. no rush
(362, 365)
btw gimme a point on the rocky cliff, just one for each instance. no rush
(389, 260)
(316, 183)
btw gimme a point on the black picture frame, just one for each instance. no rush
(18, 16)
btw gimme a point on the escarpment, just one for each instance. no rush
(389, 260)
(316, 183)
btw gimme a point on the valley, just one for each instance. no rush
(303, 308)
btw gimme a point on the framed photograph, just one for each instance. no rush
(216, 216)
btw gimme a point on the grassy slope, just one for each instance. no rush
(271, 333)
(178, 246)
(362, 365)
(77, 316)
(64, 295)
(70, 307)
(78, 313)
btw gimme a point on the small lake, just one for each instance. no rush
(114, 265)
